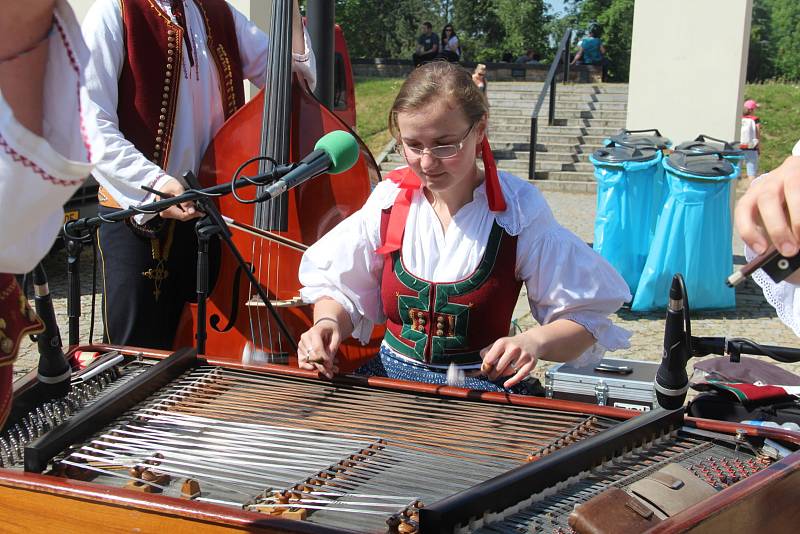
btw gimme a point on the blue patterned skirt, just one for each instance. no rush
(388, 364)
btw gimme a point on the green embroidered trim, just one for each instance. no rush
(441, 359)
(441, 305)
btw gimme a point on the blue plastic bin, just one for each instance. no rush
(693, 234)
(630, 185)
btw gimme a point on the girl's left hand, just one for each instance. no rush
(515, 355)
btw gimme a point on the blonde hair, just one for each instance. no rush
(480, 68)
(439, 80)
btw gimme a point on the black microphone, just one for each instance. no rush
(672, 382)
(334, 153)
(54, 372)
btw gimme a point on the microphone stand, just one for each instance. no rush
(213, 224)
(74, 247)
(210, 225)
(671, 381)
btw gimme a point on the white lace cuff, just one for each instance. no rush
(783, 296)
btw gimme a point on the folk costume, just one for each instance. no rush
(446, 296)
(37, 175)
(166, 75)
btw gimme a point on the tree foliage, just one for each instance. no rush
(784, 33)
(489, 29)
(486, 28)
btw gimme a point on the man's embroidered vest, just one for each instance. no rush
(438, 323)
(151, 72)
(17, 320)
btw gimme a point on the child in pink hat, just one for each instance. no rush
(750, 137)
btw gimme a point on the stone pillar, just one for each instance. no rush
(688, 67)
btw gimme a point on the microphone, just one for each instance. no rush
(334, 153)
(54, 372)
(672, 382)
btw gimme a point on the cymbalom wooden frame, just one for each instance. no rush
(31, 503)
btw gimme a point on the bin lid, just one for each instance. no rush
(700, 164)
(641, 138)
(614, 153)
(715, 146)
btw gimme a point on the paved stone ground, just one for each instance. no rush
(752, 318)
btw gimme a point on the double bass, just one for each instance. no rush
(279, 125)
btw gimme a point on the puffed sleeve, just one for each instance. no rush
(566, 279)
(344, 266)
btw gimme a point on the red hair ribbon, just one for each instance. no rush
(408, 182)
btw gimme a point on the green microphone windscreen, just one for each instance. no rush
(341, 147)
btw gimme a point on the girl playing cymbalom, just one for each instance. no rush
(439, 253)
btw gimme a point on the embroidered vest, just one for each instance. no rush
(438, 323)
(17, 320)
(151, 72)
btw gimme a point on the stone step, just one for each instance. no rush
(560, 97)
(541, 148)
(523, 126)
(562, 114)
(500, 139)
(543, 155)
(567, 186)
(568, 88)
(516, 165)
(577, 104)
(605, 126)
(613, 124)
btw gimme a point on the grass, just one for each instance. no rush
(780, 116)
(374, 97)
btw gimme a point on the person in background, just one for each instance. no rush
(427, 45)
(591, 50)
(440, 251)
(451, 48)
(750, 138)
(769, 214)
(529, 58)
(48, 145)
(479, 77)
(166, 75)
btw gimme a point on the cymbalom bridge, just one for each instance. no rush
(226, 448)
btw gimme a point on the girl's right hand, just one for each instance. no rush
(318, 345)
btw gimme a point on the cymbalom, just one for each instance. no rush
(163, 442)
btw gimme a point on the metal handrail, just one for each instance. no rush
(549, 83)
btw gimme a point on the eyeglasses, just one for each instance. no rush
(438, 152)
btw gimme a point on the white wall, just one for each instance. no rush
(688, 67)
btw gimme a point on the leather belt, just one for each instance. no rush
(105, 199)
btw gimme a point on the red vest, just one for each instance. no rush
(438, 323)
(151, 73)
(16, 321)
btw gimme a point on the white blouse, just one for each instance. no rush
(199, 114)
(564, 277)
(39, 174)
